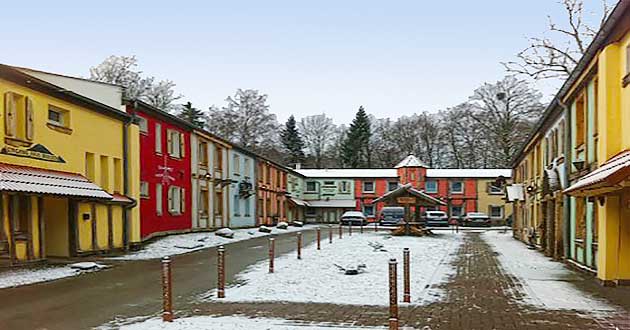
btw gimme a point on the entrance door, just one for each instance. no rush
(331, 216)
(5, 253)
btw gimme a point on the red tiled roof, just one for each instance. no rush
(118, 198)
(42, 181)
(606, 177)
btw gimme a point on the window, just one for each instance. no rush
(176, 200)
(457, 187)
(158, 138)
(218, 203)
(247, 166)
(19, 117)
(158, 199)
(203, 153)
(175, 143)
(144, 189)
(117, 175)
(457, 211)
(247, 207)
(90, 166)
(391, 186)
(368, 186)
(431, 187)
(57, 116)
(496, 212)
(237, 206)
(218, 158)
(368, 210)
(580, 123)
(237, 164)
(310, 212)
(494, 190)
(142, 124)
(329, 183)
(344, 187)
(203, 203)
(105, 173)
(311, 186)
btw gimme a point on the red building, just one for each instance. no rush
(165, 171)
(366, 190)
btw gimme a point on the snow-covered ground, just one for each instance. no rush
(316, 278)
(545, 283)
(19, 277)
(185, 243)
(237, 323)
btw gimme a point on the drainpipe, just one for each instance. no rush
(566, 210)
(125, 214)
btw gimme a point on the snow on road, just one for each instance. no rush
(25, 276)
(545, 283)
(237, 323)
(185, 243)
(316, 279)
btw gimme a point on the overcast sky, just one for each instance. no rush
(393, 57)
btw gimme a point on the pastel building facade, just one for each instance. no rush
(242, 189)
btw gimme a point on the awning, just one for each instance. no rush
(42, 181)
(333, 203)
(610, 176)
(298, 202)
(515, 192)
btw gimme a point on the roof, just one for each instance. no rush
(408, 189)
(469, 173)
(146, 107)
(298, 201)
(333, 203)
(605, 178)
(21, 78)
(41, 181)
(411, 161)
(600, 40)
(349, 173)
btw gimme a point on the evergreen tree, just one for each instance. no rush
(192, 115)
(355, 149)
(292, 142)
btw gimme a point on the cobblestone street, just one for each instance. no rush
(478, 297)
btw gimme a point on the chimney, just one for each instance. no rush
(298, 166)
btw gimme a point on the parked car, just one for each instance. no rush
(353, 218)
(391, 216)
(476, 219)
(435, 219)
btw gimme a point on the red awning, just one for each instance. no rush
(42, 181)
(607, 178)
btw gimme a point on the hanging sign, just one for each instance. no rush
(406, 200)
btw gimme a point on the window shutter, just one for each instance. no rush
(158, 198)
(158, 138)
(182, 145)
(10, 114)
(170, 199)
(28, 104)
(169, 143)
(182, 207)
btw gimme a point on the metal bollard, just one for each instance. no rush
(272, 253)
(349, 228)
(406, 275)
(167, 294)
(221, 271)
(340, 231)
(375, 226)
(393, 296)
(299, 245)
(361, 230)
(330, 234)
(319, 237)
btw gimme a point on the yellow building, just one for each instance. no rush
(69, 170)
(491, 200)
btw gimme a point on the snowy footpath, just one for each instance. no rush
(545, 283)
(162, 247)
(318, 277)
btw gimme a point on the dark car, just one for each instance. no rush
(435, 219)
(392, 216)
(476, 219)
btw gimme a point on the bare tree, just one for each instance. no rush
(318, 132)
(162, 95)
(556, 54)
(245, 120)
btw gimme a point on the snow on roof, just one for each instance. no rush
(349, 173)
(469, 173)
(334, 203)
(411, 161)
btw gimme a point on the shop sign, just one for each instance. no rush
(37, 151)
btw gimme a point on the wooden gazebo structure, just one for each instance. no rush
(408, 197)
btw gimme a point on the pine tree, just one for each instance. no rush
(355, 149)
(192, 115)
(292, 142)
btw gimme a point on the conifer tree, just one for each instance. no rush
(192, 115)
(292, 142)
(355, 149)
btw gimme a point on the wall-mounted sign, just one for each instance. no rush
(37, 151)
(406, 200)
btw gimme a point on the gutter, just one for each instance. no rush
(566, 207)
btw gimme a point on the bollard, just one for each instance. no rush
(375, 226)
(393, 296)
(272, 252)
(221, 270)
(361, 230)
(167, 300)
(330, 234)
(299, 245)
(340, 230)
(350, 228)
(319, 237)
(406, 275)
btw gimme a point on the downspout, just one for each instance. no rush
(125, 214)
(566, 209)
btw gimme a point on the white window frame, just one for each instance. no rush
(159, 196)
(368, 191)
(426, 187)
(501, 208)
(158, 138)
(144, 189)
(390, 183)
(461, 213)
(495, 192)
(461, 191)
(143, 125)
(236, 159)
(62, 116)
(373, 210)
(344, 187)
(176, 200)
(315, 185)
(174, 138)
